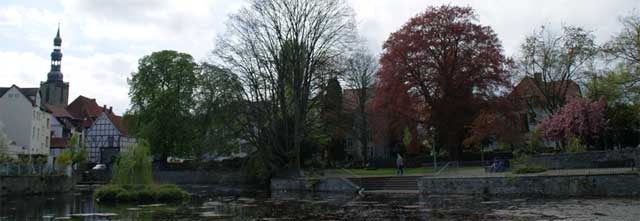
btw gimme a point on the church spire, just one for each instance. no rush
(56, 58)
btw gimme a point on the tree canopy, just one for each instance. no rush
(446, 61)
(162, 96)
(284, 51)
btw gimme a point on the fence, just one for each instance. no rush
(480, 169)
(31, 170)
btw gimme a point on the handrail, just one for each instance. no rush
(443, 167)
(360, 191)
(349, 172)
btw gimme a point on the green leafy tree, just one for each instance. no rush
(218, 109)
(74, 155)
(406, 138)
(333, 120)
(162, 98)
(616, 86)
(625, 46)
(133, 165)
(623, 110)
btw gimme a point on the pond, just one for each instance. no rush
(210, 204)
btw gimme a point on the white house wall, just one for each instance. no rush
(57, 128)
(24, 124)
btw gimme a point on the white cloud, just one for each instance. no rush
(102, 40)
(100, 76)
(24, 69)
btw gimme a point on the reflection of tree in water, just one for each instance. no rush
(324, 206)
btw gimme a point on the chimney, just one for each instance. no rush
(104, 107)
(537, 77)
(110, 109)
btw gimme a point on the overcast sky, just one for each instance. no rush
(102, 40)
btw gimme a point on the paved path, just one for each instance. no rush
(482, 173)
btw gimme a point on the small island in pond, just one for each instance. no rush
(132, 181)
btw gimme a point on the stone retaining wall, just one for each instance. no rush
(581, 160)
(198, 177)
(314, 185)
(28, 185)
(621, 185)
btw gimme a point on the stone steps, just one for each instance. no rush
(387, 183)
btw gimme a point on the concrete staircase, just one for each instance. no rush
(387, 183)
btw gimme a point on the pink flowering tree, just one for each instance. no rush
(579, 118)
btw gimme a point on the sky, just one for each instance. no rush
(103, 40)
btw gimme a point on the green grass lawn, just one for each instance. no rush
(389, 171)
(379, 171)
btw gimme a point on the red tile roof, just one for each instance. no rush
(117, 122)
(58, 111)
(528, 87)
(84, 108)
(59, 142)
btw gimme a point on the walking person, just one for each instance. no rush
(399, 165)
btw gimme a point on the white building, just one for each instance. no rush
(26, 124)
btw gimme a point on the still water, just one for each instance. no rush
(210, 204)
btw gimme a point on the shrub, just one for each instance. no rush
(529, 169)
(108, 193)
(169, 193)
(575, 146)
(140, 193)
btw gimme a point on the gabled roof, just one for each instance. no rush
(3, 90)
(28, 92)
(84, 108)
(117, 122)
(527, 87)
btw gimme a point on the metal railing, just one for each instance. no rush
(31, 170)
(443, 168)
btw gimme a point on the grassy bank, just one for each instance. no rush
(166, 193)
(390, 171)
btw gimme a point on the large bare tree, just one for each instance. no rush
(284, 50)
(625, 48)
(555, 61)
(359, 77)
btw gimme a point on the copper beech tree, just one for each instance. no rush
(445, 66)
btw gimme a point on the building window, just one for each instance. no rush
(348, 143)
(110, 141)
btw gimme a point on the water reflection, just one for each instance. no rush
(235, 204)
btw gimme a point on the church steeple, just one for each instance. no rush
(55, 75)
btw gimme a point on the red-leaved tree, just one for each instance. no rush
(445, 65)
(579, 118)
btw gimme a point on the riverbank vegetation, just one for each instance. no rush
(529, 169)
(442, 87)
(132, 193)
(132, 181)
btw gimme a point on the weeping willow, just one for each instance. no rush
(133, 166)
